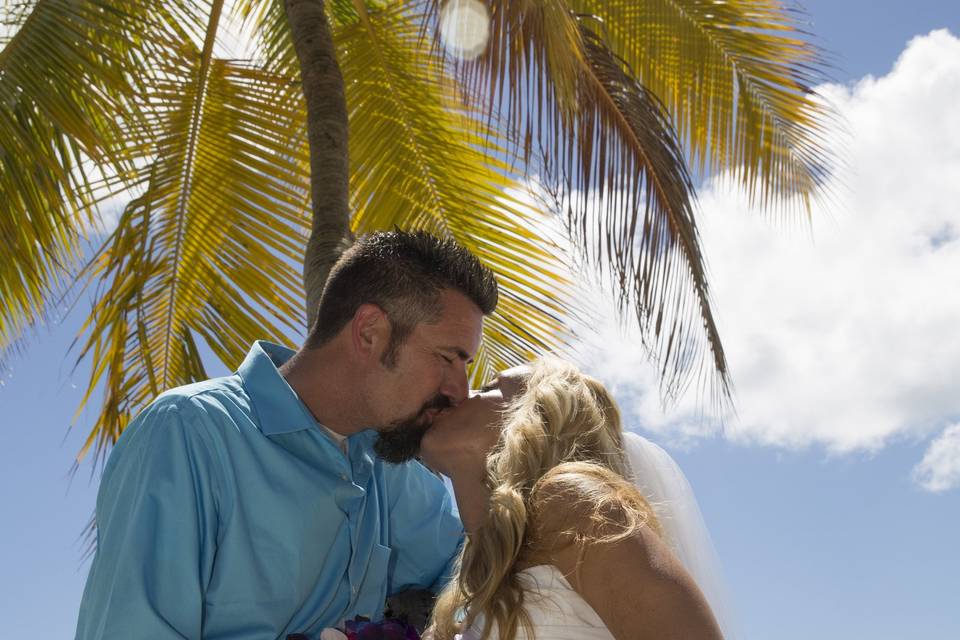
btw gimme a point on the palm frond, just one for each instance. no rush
(210, 251)
(738, 78)
(657, 257)
(68, 96)
(606, 146)
(419, 161)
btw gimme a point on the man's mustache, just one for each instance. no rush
(438, 402)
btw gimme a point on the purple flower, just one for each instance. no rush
(390, 629)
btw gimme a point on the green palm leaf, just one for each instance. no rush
(657, 255)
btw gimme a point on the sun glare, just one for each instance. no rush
(465, 28)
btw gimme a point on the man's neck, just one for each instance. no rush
(325, 383)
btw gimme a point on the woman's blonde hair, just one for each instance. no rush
(561, 444)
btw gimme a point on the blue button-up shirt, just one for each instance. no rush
(225, 511)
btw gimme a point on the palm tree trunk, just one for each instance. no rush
(327, 133)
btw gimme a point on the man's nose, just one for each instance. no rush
(455, 386)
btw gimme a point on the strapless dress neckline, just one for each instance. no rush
(555, 608)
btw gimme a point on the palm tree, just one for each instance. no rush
(604, 104)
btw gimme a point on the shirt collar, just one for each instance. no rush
(279, 408)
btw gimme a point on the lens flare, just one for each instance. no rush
(465, 28)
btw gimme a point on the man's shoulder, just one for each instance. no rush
(205, 397)
(196, 408)
(201, 417)
(224, 386)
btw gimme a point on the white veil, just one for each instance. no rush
(665, 487)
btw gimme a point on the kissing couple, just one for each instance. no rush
(305, 489)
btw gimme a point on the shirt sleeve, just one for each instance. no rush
(156, 521)
(425, 532)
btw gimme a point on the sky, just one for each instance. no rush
(833, 495)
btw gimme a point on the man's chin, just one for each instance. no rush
(401, 443)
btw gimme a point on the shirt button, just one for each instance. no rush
(343, 476)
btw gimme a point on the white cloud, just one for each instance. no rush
(940, 468)
(845, 334)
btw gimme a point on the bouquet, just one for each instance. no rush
(361, 628)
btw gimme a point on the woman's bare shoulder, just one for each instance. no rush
(610, 549)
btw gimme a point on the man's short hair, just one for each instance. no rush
(404, 274)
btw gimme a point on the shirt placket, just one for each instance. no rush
(362, 530)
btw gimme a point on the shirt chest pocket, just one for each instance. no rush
(264, 570)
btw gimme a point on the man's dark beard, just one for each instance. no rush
(400, 441)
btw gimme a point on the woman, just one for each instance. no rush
(561, 544)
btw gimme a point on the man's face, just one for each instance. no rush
(429, 374)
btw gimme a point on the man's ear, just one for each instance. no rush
(369, 331)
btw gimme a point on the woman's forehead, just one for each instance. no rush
(511, 381)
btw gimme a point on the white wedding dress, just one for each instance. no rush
(559, 613)
(556, 611)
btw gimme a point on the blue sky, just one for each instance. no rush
(813, 495)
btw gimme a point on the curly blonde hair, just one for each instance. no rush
(560, 453)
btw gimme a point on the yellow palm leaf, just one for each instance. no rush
(70, 123)
(210, 251)
(598, 98)
(64, 77)
(419, 159)
(737, 78)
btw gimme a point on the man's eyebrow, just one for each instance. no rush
(463, 355)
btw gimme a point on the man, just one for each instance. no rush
(285, 498)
